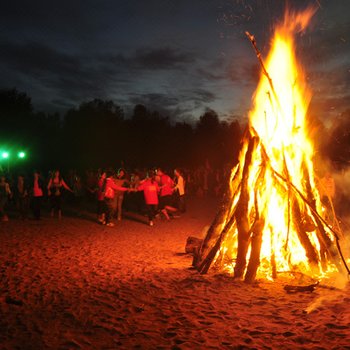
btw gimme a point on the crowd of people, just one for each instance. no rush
(153, 192)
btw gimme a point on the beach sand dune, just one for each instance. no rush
(74, 284)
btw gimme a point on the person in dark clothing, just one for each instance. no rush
(55, 186)
(21, 193)
(37, 194)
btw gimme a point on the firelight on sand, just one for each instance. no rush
(271, 220)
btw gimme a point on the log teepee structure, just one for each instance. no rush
(270, 219)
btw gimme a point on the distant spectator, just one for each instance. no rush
(5, 193)
(180, 190)
(37, 194)
(101, 205)
(21, 195)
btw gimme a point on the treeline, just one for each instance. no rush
(98, 134)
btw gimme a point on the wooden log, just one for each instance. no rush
(273, 257)
(215, 228)
(241, 213)
(257, 228)
(316, 214)
(254, 260)
(327, 248)
(210, 245)
(310, 250)
(192, 244)
(294, 289)
(204, 265)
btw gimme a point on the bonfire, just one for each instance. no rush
(271, 218)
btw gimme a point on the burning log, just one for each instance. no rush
(254, 260)
(303, 237)
(242, 213)
(256, 230)
(215, 228)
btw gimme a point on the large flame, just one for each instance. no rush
(282, 195)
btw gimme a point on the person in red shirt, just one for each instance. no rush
(37, 193)
(150, 190)
(166, 194)
(109, 196)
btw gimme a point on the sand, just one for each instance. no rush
(74, 284)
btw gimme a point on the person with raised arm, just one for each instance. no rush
(54, 190)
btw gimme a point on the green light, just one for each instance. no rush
(5, 155)
(21, 154)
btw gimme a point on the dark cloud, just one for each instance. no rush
(70, 76)
(177, 107)
(36, 58)
(210, 75)
(244, 75)
(184, 56)
(154, 100)
(326, 44)
(162, 58)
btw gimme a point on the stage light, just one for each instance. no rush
(21, 154)
(5, 155)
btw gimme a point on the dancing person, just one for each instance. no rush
(150, 190)
(121, 181)
(37, 194)
(54, 189)
(109, 196)
(134, 201)
(5, 193)
(166, 185)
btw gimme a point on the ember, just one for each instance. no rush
(270, 221)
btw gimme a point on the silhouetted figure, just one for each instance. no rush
(5, 193)
(21, 194)
(121, 181)
(101, 204)
(37, 194)
(180, 190)
(55, 186)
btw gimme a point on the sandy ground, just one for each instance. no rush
(74, 284)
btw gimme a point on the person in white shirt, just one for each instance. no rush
(180, 190)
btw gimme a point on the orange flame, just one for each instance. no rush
(278, 118)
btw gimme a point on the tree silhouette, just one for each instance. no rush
(97, 134)
(92, 134)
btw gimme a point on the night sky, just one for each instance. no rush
(175, 56)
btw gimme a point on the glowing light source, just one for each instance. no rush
(5, 155)
(21, 154)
